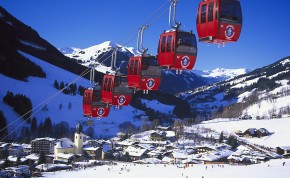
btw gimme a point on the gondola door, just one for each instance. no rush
(134, 72)
(107, 88)
(166, 50)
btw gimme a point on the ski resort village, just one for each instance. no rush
(180, 146)
(103, 108)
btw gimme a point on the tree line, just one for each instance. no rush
(20, 103)
(69, 89)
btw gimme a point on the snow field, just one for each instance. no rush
(275, 170)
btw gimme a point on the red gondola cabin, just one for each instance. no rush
(177, 50)
(144, 73)
(92, 104)
(115, 91)
(219, 21)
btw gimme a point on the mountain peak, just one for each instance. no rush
(220, 74)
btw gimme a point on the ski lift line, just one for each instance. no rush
(146, 25)
(41, 105)
(151, 15)
(39, 108)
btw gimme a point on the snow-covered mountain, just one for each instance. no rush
(94, 53)
(220, 74)
(69, 50)
(100, 54)
(263, 92)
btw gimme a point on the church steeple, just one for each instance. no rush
(79, 139)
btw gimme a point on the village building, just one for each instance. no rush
(283, 150)
(65, 150)
(93, 152)
(251, 132)
(262, 132)
(45, 145)
(136, 153)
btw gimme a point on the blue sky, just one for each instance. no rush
(265, 36)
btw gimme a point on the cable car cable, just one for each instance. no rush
(42, 104)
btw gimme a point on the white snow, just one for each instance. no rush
(91, 53)
(269, 169)
(156, 104)
(278, 127)
(69, 50)
(221, 73)
(32, 45)
(285, 61)
(41, 90)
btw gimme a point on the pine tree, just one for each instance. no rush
(47, 126)
(60, 106)
(221, 138)
(69, 106)
(56, 85)
(41, 159)
(232, 141)
(33, 125)
(3, 126)
(18, 161)
(61, 86)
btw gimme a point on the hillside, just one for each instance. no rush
(16, 35)
(278, 128)
(42, 92)
(255, 93)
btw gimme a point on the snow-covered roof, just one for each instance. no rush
(91, 148)
(285, 147)
(45, 138)
(170, 133)
(167, 160)
(33, 156)
(150, 161)
(252, 130)
(64, 143)
(147, 146)
(64, 155)
(26, 146)
(126, 143)
(48, 167)
(133, 151)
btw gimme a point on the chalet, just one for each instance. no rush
(245, 155)
(136, 153)
(262, 132)
(15, 150)
(158, 136)
(27, 148)
(251, 132)
(161, 128)
(45, 145)
(64, 145)
(93, 152)
(64, 158)
(239, 133)
(203, 149)
(283, 150)
(20, 171)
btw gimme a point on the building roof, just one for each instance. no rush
(64, 143)
(64, 155)
(285, 147)
(133, 151)
(33, 156)
(89, 148)
(45, 138)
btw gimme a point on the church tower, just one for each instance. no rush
(79, 139)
